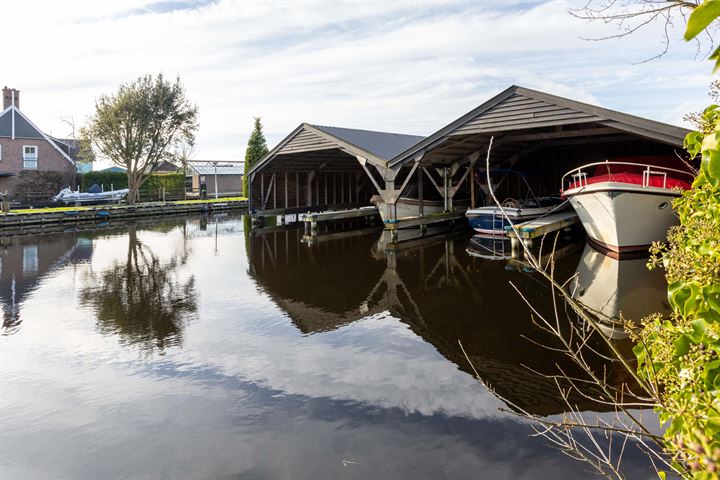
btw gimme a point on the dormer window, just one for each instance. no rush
(30, 157)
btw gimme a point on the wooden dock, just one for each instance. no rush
(104, 213)
(423, 222)
(312, 220)
(526, 232)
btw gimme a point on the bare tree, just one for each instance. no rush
(631, 16)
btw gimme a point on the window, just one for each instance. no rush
(30, 156)
(30, 259)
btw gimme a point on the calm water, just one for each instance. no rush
(191, 349)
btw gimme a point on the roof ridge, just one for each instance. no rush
(365, 130)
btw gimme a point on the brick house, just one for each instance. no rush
(33, 165)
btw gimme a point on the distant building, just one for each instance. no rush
(203, 175)
(33, 165)
(166, 167)
(113, 170)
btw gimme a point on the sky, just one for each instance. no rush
(406, 67)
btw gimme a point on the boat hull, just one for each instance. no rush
(624, 218)
(491, 220)
(410, 207)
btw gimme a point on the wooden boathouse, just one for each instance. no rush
(319, 168)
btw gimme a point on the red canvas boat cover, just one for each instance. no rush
(632, 174)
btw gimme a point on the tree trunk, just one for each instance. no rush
(133, 193)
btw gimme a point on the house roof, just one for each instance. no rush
(518, 108)
(208, 167)
(14, 124)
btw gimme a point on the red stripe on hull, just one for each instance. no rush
(618, 250)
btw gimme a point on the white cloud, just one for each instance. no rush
(398, 66)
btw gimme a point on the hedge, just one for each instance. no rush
(173, 182)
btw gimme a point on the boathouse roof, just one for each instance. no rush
(547, 116)
(374, 145)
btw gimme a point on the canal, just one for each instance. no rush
(193, 348)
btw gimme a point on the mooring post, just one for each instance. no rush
(516, 249)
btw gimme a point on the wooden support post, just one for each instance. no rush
(421, 203)
(262, 190)
(342, 188)
(335, 188)
(286, 193)
(326, 188)
(297, 189)
(445, 189)
(308, 197)
(274, 191)
(317, 189)
(472, 186)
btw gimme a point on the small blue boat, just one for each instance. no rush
(494, 219)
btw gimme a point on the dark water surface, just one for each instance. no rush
(191, 349)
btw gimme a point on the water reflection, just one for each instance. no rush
(442, 293)
(26, 260)
(141, 298)
(288, 359)
(614, 290)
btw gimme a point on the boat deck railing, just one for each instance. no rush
(579, 177)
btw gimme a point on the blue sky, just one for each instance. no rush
(409, 67)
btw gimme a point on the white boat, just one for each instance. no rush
(625, 206)
(493, 219)
(407, 207)
(613, 289)
(67, 196)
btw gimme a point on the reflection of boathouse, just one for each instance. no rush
(343, 280)
(26, 260)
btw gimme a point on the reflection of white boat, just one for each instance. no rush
(625, 206)
(490, 247)
(609, 288)
(67, 196)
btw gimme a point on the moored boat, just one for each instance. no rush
(626, 205)
(67, 196)
(494, 219)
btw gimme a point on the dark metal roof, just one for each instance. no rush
(383, 145)
(375, 146)
(519, 108)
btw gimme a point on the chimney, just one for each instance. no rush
(11, 96)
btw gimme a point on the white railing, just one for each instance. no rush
(579, 177)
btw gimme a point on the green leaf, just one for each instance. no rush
(701, 17)
(699, 328)
(713, 425)
(662, 475)
(682, 345)
(711, 166)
